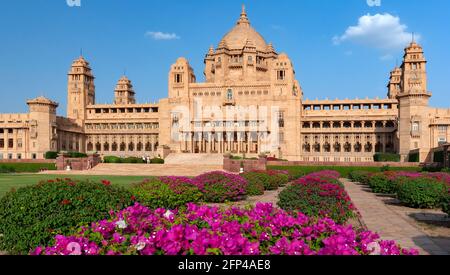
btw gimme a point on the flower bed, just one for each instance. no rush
(167, 192)
(319, 195)
(33, 215)
(219, 187)
(414, 189)
(202, 230)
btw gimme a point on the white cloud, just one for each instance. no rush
(381, 31)
(162, 35)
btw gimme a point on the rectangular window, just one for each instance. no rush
(415, 126)
(2, 142)
(33, 156)
(10, 131)
(19, 156)
(10, 143)
(280, 119)
(281, 74)
(178, 78)
(281, 137)
(10, 156)
(19, 143)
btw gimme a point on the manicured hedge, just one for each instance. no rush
(51, 155)
(33, 215)
(422, 193)
(380, 183)
(114, 159)
(318, 196)
(166, 192)
(300, 171)
(26, 167)
(386, 157)
(446, 204)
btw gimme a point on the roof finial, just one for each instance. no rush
(243, 19)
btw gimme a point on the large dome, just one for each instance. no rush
(242, 33)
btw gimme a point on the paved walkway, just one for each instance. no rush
(143, 170)
(387, 223)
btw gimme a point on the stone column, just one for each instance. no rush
(15, 139)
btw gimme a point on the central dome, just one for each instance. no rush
(242, 33)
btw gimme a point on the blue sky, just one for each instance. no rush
(340, 48)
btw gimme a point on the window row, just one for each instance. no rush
(341, 107)
(122, 126)
(349, 124)
(123, 110)
(347, 147)
(122, 147)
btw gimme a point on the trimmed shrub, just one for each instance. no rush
(381, 184)
(359, 176)
(76, 155)
(133, 160)
(4, 169)
(446, 204)
(157, 161)
(219, 187)
(166, 192)
(112, 159)
(438, 156)
(256, 182)
(386, 157)
(51, 155)
(316, 197)
(33, 215)
(422, 193)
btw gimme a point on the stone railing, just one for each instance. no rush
(27, 161)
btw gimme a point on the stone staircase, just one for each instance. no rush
(194, 159)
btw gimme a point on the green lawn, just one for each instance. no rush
(8, 181)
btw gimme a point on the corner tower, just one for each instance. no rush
(80, 90)
(124, 93)
(413, 104)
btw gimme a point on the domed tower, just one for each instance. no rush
(124, 93)
(414, 103)
(80, 89)
(242, 55)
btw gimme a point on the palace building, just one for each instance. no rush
(250, 103)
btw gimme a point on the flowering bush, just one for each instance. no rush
(422, 193)
(255, 181)
(33, 215)
(167, 192)
(380, 183)
(219, 187)
(359, 176)
(318, 196)
(446, 204)
(202, 230)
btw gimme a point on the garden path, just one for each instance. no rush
(268, 197)
(389, 224)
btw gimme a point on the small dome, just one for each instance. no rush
(238, 37)
(42, 100)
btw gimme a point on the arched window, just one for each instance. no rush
(347, 125)
(317, 147)
(337, 147)
(148, 147)
(358, 124)
(316, 125)
(358, 147)
(139, 147)
(131, 146)
(348, 147)
(307, 147)
(123, 146)
(106, 147)
(114, 147)
(336, 125)
(306, 125)
(98, 147)
(368, 124)
(90, 146)
(326, 125)
(327, 147)
(230, 94)
(368, 147)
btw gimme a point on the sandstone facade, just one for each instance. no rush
(250, 103)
